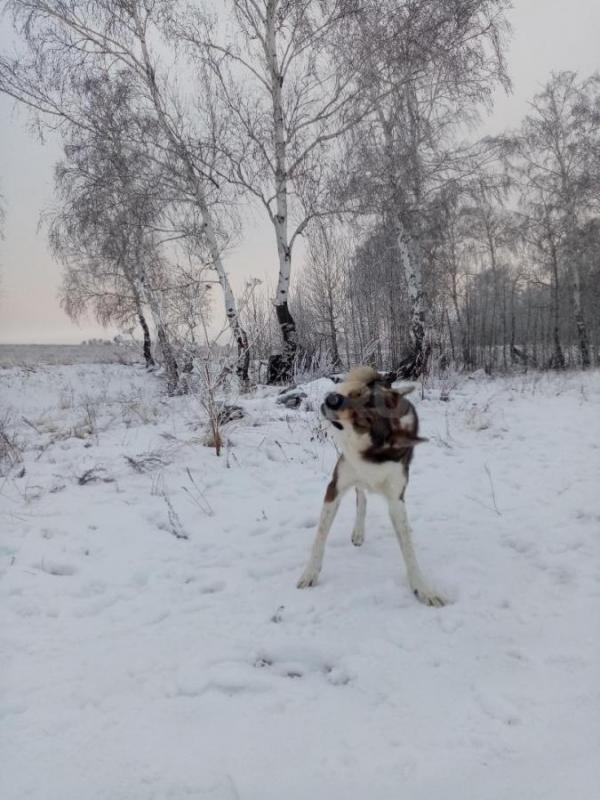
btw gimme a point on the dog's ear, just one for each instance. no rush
(408, 441)
(385, 379)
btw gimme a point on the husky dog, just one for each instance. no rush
(376, 429)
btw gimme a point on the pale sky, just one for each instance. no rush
(548, 35)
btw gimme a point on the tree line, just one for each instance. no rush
(349, 125)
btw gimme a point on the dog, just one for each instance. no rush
(376, 429)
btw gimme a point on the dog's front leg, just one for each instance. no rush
(358, 534)
(416, 580)
(337, 486)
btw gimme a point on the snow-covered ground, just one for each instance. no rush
(155, 647)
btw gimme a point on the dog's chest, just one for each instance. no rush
(380, 478)
(376, 477)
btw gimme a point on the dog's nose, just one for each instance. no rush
(334, 400)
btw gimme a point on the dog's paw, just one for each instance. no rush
(358, 537)
(429, 598)
(309, 578)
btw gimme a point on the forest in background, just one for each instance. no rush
(350, 125)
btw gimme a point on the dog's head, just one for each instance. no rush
(366, 404)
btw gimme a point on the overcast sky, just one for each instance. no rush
(548, 35)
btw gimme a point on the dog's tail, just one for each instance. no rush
(362, 376)
(359, 377)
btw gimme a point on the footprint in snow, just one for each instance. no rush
(258, 530)
(61, 568)
(295, 669)
(212, 588)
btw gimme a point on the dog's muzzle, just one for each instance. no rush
(333, 403)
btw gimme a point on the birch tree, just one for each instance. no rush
(287, 103)
(104, 232)
(108, 192)
(541, 231)
(430, 67)
(555, 155)
(489, 229)
(320, 301)
(117, 222)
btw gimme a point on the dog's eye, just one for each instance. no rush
(338, 425)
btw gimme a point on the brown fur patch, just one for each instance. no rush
(332, 491)
(390, 420)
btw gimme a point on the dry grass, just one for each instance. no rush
(147, 462)
(11, 448)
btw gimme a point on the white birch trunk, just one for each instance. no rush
(231, 311)
(413, 274)
(162, 335)
(558, 359)
(584, 347)
(139, 307)
(415, 364)
(573, 254)
(280, 219)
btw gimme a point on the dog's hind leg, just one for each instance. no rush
(358, 534)
(416, 580)
(339, 484)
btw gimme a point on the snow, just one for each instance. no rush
(143, 665)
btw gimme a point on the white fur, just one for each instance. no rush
(358, 533)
